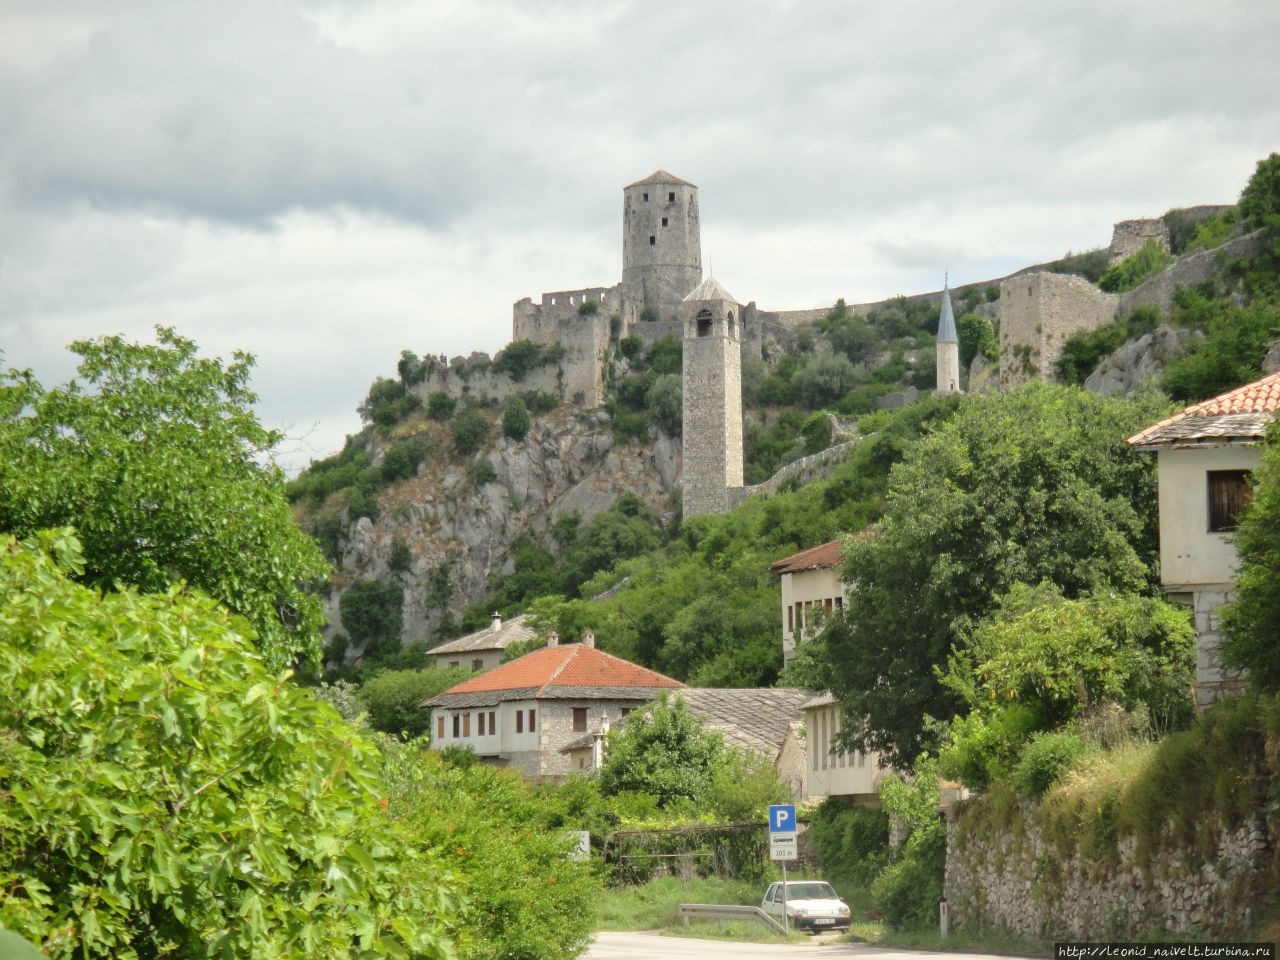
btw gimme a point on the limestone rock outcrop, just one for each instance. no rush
(1138, 361)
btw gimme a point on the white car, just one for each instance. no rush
(811, 905)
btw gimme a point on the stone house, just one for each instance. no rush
(484, 649)
(811, 589)
(1205, 456)
(525, 713)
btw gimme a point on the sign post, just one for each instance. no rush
(782, 845)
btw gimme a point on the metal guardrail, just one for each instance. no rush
(723, 911)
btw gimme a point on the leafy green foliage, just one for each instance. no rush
(401, 557)
(977, 336)
(666, 355)
(665, 403)
(1260, 199)
(515, 419)
(852, 842)
(1136, 269)
(626, 529)
(470, 431)
(481, 471)
(1091, 264)
(394, 698)
(440, 406)
(401, 461)
(824, 379)
(169, 795)
(908, 888)
(588, 308)
(372, 613)
(388, 403)
(327, 476)
(1046, 757)
(155, 459)
(1231, 353)
(527, 899)
(1252, 623)
(1085, 349)
(1032, 485)
(521, 356)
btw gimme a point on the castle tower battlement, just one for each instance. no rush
(661, 245)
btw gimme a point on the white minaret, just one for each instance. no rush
(948, 346)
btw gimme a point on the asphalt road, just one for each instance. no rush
(648, 946)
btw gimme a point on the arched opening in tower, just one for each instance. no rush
(704, 323)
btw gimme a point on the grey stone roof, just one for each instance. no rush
(1244, 427)
(753, 718)
(479, 698)
(661, 176)
(510, 631)
(947, 322)
(710, 289)
(582, 743)
(824, 699)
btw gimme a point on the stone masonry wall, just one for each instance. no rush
(1038, 313)
(1018, 881)
(1130, 236)
(1186, 271)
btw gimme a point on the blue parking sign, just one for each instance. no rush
(782, 818)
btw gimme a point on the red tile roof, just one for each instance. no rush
(827, 555)
(1242, 413)
(567, 665)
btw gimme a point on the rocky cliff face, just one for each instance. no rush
(1138, 361)
(459, 531)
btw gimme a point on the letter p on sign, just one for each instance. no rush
(782, 818)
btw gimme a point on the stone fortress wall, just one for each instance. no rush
(1130, 236)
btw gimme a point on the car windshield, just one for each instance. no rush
(810, 891)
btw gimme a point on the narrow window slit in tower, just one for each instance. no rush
(671, 198)
(653, 241)
(664, 221)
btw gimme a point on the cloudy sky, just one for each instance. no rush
(324, 184)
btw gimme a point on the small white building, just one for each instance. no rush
(852, 774)
(525, 713)
(482, 650)
(811, 591)
(1205, 455)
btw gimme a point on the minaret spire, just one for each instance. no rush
(948, 345)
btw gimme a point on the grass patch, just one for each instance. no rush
(730, 930)
(964, 942)
(653, 906)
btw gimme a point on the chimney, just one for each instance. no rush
(497, 621)
(588, 639)
(553, 638)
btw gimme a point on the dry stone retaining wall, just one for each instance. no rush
(1019, 882)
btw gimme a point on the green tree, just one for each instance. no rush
(1252, 623)
(665, 403)
(166, 794)
(527, 898)
(372, 614)
(158, 461)
(824, 379)
(1032, 485)
(515, 419)
(1260, 199)
(977, 336)
(664, 751)
(440, 405)
(394, 698)
(470, 431)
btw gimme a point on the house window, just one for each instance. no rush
(579, 719)
(664, 221)
(671, 198)
(519, 721)
(457, 725)
(466, 724)
(828, 604)
(532, 721)
(439, 728)
(839, 602)
(646, 197)
(480, 723)
(477, 664)
(791, 626)
(1229, 493)
(626, 712)
(653, 241)
(453, 663)
(493, 727)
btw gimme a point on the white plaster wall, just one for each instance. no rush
(488, 659)
(1189, 553)
(851, 774)
(806, 586)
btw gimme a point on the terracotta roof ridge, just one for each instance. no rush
(564, 662)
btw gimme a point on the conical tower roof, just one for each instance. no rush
(711, 289)
(947, 322)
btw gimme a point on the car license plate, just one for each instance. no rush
(823, 920)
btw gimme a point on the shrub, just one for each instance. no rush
(665, 403)
(1134, 270)
(588, 308)
(852, 842)
(387, 403)
(1044, 759)
(631, 348)
(327, 531)
(649, 315)
(1091, 265)
(371, 613)
(816, 432)
(401, 461)
(515, 419)
(394, 697)
(470, 431)
(977, 336)
(538, 402)
(363, 502)
(824, 379)
(992, 293)
(440, 405)
(481, 472)
(666, 355)
(521, 356)
(401, 557)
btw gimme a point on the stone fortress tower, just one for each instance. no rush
(661, 246)
(948, 346)
(712, 472)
